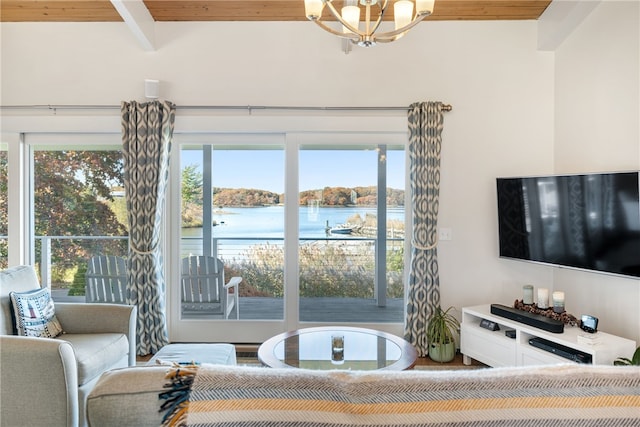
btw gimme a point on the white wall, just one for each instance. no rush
(272, 63)
(500, 86)
(597, 128)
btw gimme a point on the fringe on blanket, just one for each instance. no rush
(176, 398)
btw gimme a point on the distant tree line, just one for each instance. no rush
(343, 196)
(192, 200)
(235, 197)
(244, 197)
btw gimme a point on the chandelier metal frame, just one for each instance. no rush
(368, 36)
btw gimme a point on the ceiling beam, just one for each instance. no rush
(137, 17)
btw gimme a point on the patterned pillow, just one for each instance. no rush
(34, 313)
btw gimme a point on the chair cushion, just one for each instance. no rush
(97, 353)
(34, 314)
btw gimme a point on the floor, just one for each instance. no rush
(247, 354)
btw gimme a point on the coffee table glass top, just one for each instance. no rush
(337, 348)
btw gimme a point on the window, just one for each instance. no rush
(78, 210)
(232, 209)
(244, 193)
(351, 233)
(348, 260)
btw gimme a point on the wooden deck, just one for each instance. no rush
(321, 309)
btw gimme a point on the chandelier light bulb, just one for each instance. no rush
(313, 9)
(402, 13)
(351, 15)
(424, 7)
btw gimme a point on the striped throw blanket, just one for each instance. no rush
(552, 396)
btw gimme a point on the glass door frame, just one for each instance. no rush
(208, 330)
(248, 331)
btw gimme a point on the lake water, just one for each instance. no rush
(268, 222)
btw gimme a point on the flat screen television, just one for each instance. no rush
(589, 221)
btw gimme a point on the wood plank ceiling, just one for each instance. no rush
(249, 10)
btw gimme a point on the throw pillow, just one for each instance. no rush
(34, 313)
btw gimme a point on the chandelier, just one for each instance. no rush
(374, 11)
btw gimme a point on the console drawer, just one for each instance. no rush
(491, 348)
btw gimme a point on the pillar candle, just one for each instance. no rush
(558, 301)
(543, 298)
(527, 297)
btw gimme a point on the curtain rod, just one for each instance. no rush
(445, 107)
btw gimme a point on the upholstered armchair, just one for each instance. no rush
(45, 381)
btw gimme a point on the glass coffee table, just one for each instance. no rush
(337, 347)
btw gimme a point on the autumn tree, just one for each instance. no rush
(244, 197)
(192, 196)
(73, 197)
(341, 196)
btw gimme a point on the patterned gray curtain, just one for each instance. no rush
(147, 130)
(425, 140)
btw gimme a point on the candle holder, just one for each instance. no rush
(565, 317)
(543, 298)
(558, 302)
(527, 297)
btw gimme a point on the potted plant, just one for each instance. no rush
(442, 328)
(623, 361)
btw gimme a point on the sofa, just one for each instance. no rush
(216, 396)
(46, 381)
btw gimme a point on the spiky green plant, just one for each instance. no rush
(441, 327)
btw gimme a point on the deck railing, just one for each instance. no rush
(328, 257)
(65, 250)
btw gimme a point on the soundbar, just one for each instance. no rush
(561, 350)
(531, 319)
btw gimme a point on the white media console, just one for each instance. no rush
(495, 349)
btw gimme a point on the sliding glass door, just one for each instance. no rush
(351, 233)
(231, 192)
(77, 208)
(314, 229)
(232, 210)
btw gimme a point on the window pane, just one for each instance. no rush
(241, 223)
(339, 223)
(4, 207)
(79, 211)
